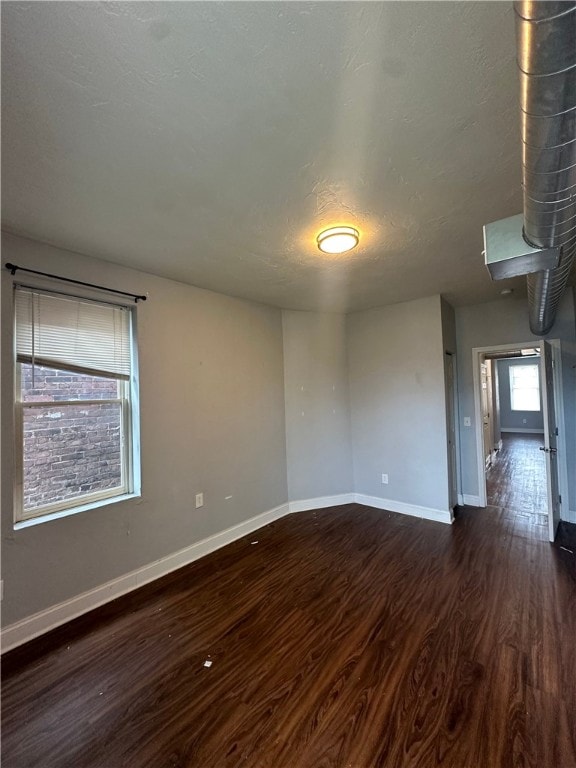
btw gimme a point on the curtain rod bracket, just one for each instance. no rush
(13, 268)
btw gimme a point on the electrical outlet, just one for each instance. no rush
(384, 479)
(199, 500)
(467, 421)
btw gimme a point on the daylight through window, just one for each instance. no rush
(74, 407)
(524, 388)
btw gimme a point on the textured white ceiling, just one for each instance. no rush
(210, 142)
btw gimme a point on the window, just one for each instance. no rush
(524, 388)
(74, 403)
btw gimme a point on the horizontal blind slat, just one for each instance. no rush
(66, 366)
(69, 332)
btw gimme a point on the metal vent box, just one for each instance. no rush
(507, 254)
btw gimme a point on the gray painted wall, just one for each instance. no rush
(318, 445)
(212, 420)
(506, 322)
(398, 403)
(510, 419)
(448, 318)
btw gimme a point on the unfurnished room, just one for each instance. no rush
(288, 384)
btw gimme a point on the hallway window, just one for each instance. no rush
(524, 388)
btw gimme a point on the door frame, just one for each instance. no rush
(477, 353)
(561, 440)
(547, 373)
(454, 480)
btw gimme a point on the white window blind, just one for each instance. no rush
(72, 333)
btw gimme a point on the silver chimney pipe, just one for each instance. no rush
(546, 42)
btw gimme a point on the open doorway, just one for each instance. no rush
(520, 440)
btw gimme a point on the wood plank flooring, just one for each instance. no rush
(343, 638)
(517, 478)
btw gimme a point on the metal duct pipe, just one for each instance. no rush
(546, 40)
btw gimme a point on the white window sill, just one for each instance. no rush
(73, 510)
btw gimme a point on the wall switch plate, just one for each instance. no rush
(199, 500)
(384, 479)
(467, 421)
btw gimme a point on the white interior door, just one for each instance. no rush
(550, 446)
(490, 401)
(486, 427)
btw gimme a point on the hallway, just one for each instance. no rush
(516, 481)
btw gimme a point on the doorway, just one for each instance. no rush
(520, 441)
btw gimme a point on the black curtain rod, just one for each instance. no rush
(13, 269)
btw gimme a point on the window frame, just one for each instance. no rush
(128, 398)
(511, 378)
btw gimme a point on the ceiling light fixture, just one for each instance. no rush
(338, 239)
(506, 291)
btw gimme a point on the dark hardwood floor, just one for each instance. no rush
(343, 638)
(517, 478)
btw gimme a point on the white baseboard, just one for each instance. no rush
(50, 618)
(319, 502)
(439, 515)
(427, 513)
(522, 430)
(465, 499)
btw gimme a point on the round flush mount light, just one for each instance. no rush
(506, 292)
(338, 239)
